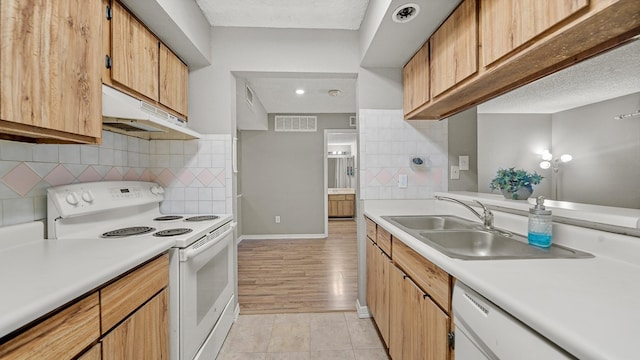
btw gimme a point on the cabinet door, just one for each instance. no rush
(409, 337)
(50, 68)
(134, 52)
(415, 76)
(142, 336)
(383, 266)
(174, 76)
(372, 250)
(508, 24)
(454, 49)
(437, 331)
(95, 353)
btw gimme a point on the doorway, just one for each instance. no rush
(340, 174)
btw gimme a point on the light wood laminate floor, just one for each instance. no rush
(301, 275)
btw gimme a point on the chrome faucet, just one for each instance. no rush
(486, 217)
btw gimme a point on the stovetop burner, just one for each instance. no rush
(168, 218)
(172, 232)
(129, 231)
(202, 218)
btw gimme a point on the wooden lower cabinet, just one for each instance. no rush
(63, 335)
(412, 324)
(342, 205)
(126, 319)
(143, 335)
(378, 266)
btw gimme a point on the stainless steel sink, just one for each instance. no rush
(464, 239)
(431, 222)
(489, 245)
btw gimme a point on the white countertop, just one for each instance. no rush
(341, 191)
(589, 307)
(38, 276)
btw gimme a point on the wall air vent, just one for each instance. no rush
(296, 123)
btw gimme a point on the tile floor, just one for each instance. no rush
(303, 336)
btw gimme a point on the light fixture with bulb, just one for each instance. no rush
(549, 162)
(300, 91)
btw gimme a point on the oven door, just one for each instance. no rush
(206, 285)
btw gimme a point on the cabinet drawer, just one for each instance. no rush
(61, 336)
(337, 197)
(350, 197)
(371, 229)
(429, 277)
(383, 240)
(126, 294)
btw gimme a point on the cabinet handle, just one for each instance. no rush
(109, 12)
(107, 61)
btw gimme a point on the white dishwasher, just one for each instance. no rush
(484, 331)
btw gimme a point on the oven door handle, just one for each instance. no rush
(191, 253)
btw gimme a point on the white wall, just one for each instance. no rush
(249, 116)
(380, 88)
(513, 140)
(268, 50)
(371, 22)
(606, 153)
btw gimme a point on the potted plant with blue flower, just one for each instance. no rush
(515, 184)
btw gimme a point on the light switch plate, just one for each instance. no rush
(455, 172)
(402, 180)
(463, 162)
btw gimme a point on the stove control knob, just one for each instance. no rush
(72, 198)
(87, 196)
(157, 190)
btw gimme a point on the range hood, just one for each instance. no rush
(127, 115)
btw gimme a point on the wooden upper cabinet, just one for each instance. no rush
(415, 76)
(134, 53)
(454, 48)
(50, 67)
(507, 24)
(174, 76)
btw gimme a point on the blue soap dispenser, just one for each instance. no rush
(540, 224)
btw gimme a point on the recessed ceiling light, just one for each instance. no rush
(405, 13)
(334, 92)
(300, 91)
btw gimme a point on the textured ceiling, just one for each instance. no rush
(612, 74)
(276, 92)
(300, 14)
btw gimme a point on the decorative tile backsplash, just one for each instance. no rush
(387, 143)
(198, 167)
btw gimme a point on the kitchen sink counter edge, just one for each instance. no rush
(39, 276)
(586, 306)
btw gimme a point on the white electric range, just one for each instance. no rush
(201, 272)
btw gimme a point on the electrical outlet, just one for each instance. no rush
(463, 162)
(402, 180)
(277, 219)
(455, 172)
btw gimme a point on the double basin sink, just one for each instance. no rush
(468, 240)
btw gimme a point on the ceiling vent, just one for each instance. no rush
(296, 123)
(405, 13)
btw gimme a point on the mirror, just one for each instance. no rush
(590, 111)
(341, 172)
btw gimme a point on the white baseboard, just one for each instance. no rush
(362, 311)
(281, 237)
